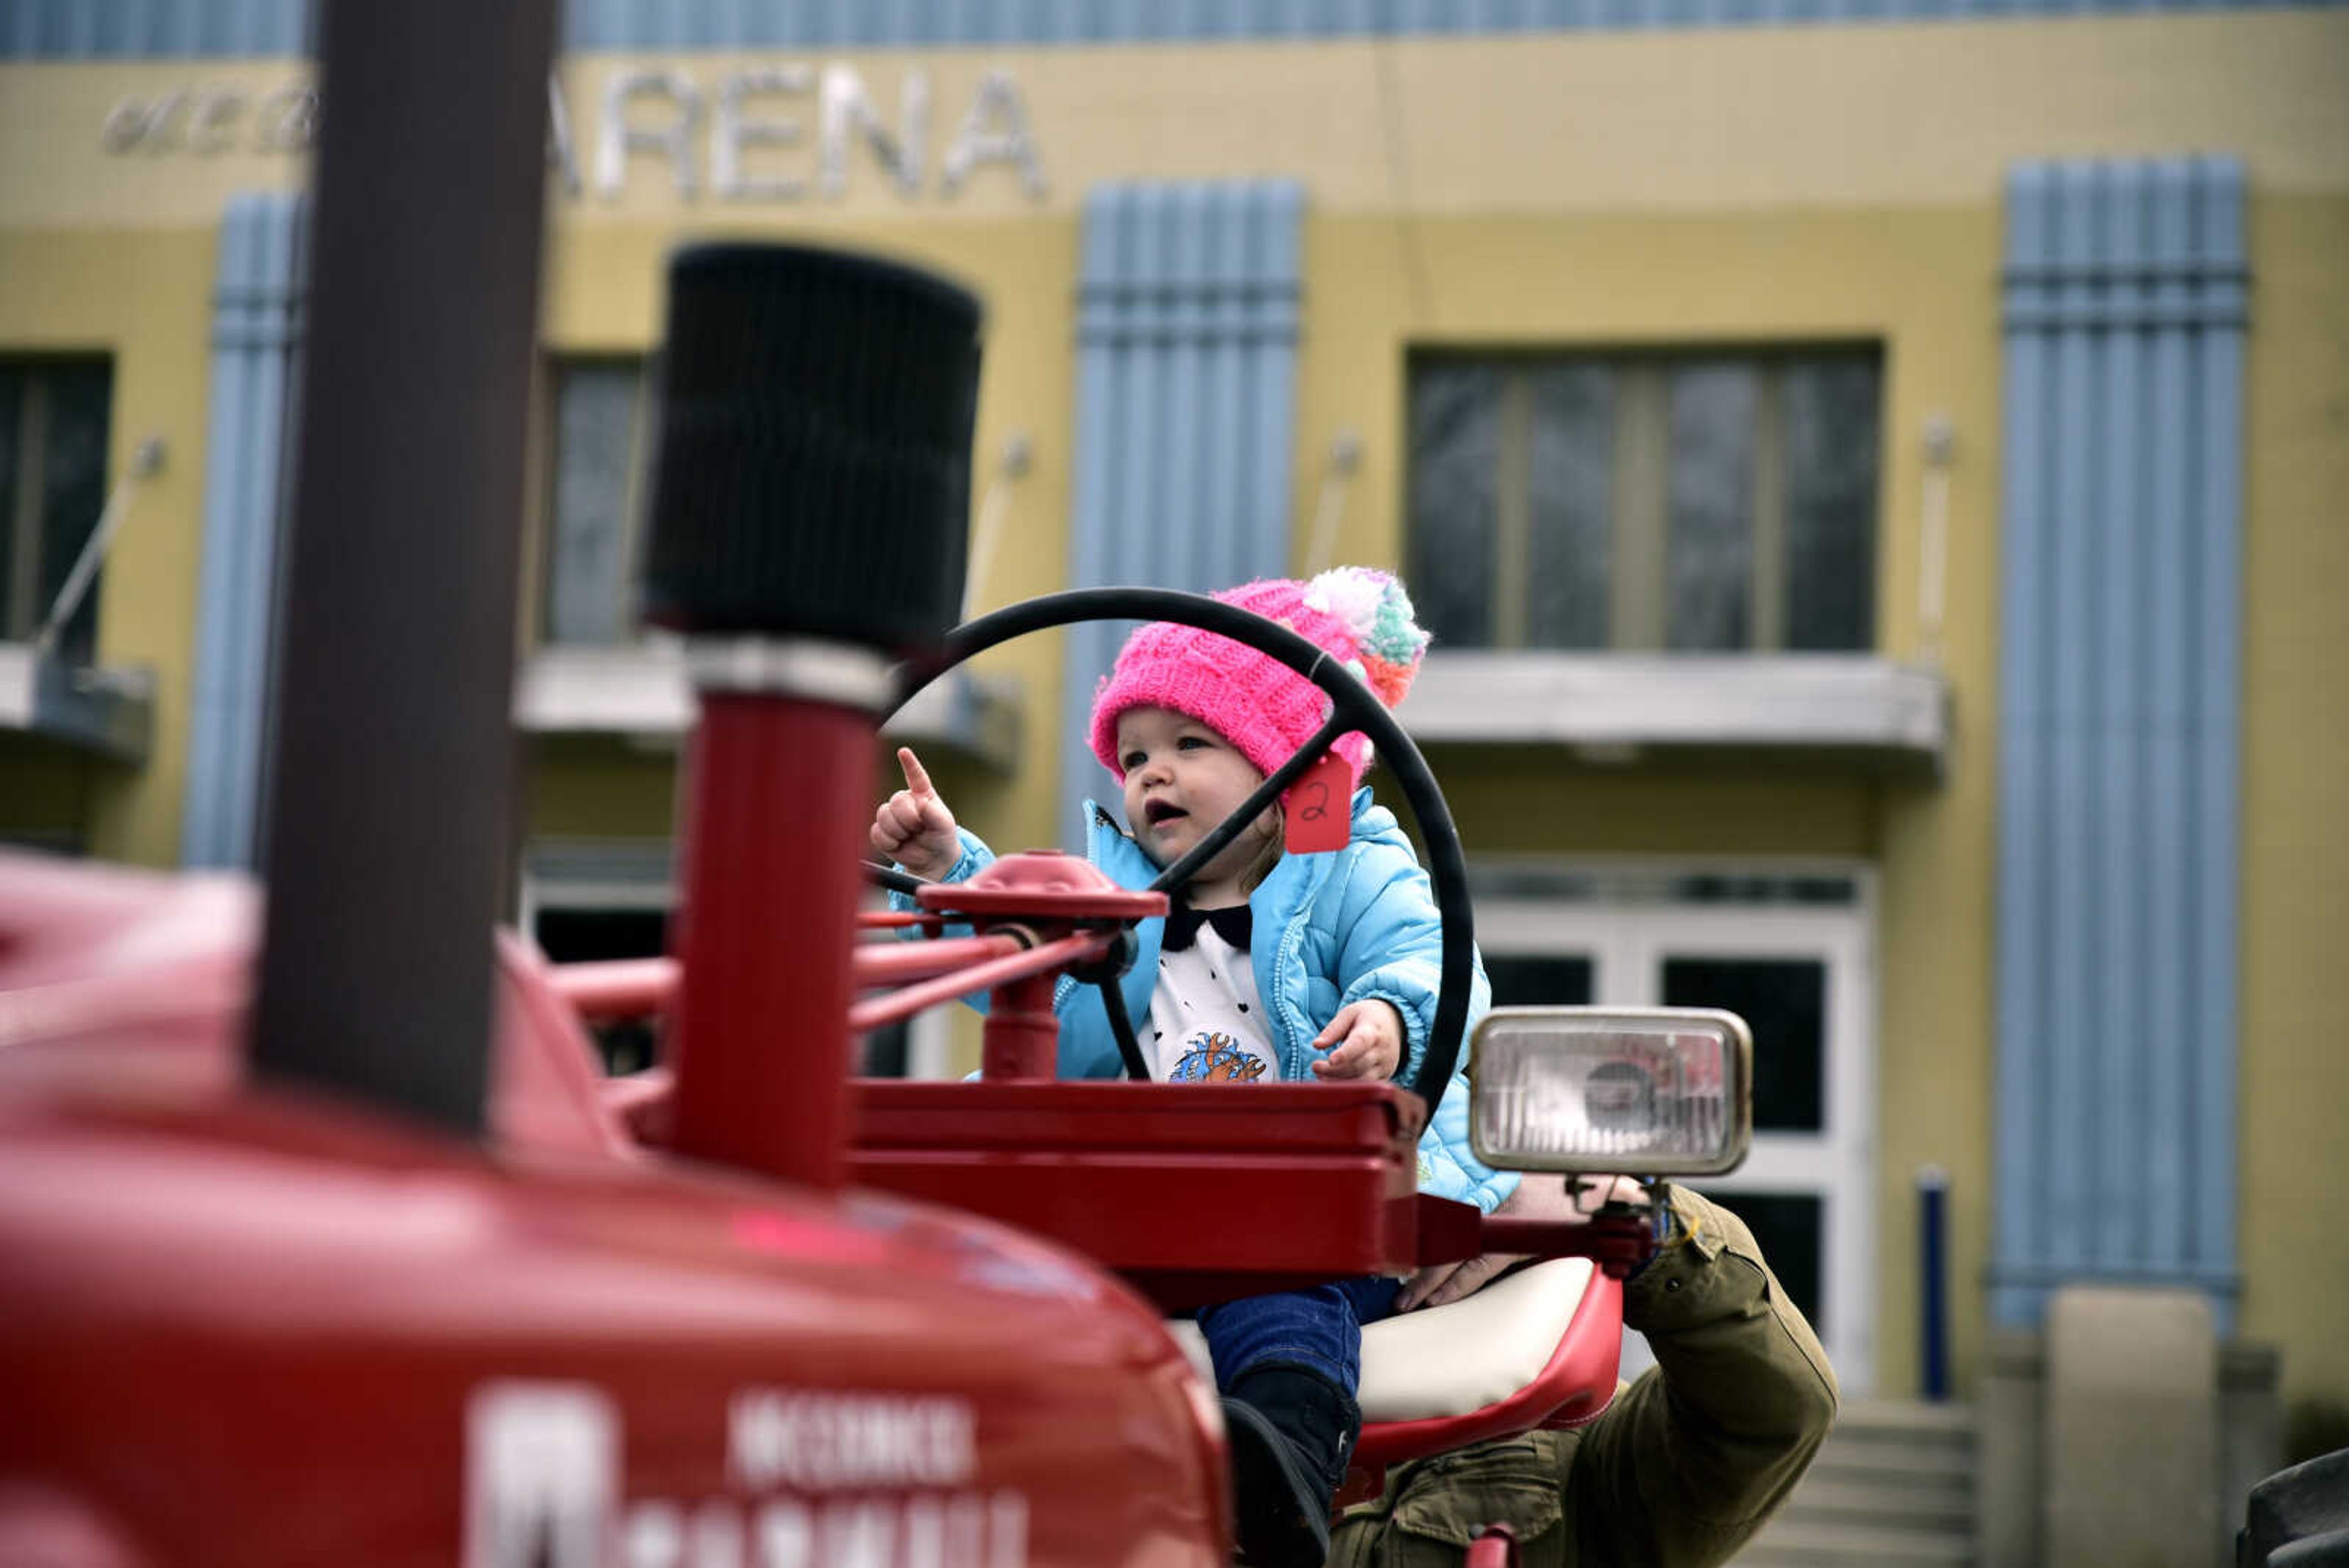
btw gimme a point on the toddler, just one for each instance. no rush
(1268, 967)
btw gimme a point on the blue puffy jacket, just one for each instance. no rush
(1355, 925)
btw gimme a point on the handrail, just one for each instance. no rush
(146, 462)
(633, 988)
(616, 988)
(882, 1011)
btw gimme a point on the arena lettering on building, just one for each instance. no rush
(782, 132)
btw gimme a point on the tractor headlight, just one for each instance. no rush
(1631, 1091)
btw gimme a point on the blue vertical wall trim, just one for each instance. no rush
(1256, 534)
(74, 29)
(2120, 674)
(2023, 1125)
(1187, 368)
(2068, 1020)
(2169, 759)
(2126, 299)
(98, 29)
(2223, 274)
(256, 337)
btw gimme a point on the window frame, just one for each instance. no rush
(1639, 603)
(25, 606)
(557, 369)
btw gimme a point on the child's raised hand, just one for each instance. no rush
(914, 826)
(1368, 1037)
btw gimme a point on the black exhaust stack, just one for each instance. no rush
(385, 832)
(810, 503)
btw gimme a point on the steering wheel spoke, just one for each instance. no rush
(889, 876)
(1121, 1024)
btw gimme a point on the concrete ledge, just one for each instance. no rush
(640, 691)
(2014, 1409)
(1616, 703)
(110, 712)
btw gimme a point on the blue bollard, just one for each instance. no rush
(1932, 1261)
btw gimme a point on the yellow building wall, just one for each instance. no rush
(1920, 281)
(2294, 1076)
(45, 797)
(603, 297)
(1869, 114)
(143, 297)
(597, 788)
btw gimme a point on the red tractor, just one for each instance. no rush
(639, 1321)
(303, 1264)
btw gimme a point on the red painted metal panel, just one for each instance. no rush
(267, 1334)
(1196, 1192)
(1346, 1117)
(1162, 1210)
(119, 981)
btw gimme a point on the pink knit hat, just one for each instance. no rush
(1359, 615)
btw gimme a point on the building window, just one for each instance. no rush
(597, 933)
(1697, 503)
(596, 465)
(53, 437)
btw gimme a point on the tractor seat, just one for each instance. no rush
(1537, 1348)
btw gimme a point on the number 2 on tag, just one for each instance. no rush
(1319, 808)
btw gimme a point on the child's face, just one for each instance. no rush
(1182, 778)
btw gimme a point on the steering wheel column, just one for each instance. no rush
(1046, 894)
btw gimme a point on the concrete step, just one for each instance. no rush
(1893, 1487)
(1907, 1415)
(1793, 1543)
(1861, 1461)
(1929, 1505)
(1900, 1477)
(1921, 1430)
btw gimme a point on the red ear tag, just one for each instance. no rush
(1319, 808)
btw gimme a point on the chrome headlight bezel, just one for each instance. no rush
(1654, 1091)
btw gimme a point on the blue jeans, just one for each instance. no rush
(1318, 1328)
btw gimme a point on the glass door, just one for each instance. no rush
(1799, 976)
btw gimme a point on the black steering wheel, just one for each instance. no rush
(1352, 707)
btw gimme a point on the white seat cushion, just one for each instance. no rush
(1451, 1360)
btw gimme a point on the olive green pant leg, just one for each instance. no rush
(1689, 1461)
(1679, 1472)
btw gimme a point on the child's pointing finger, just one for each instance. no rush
(917, 777)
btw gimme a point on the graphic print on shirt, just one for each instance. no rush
(1212, 1056)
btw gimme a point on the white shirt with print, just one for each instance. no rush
(1206, 1026)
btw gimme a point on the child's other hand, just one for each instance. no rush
(1368, 1037)
(914, 826)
